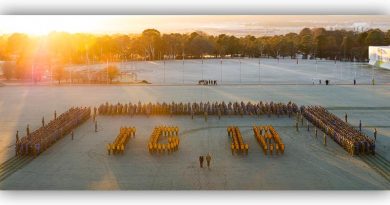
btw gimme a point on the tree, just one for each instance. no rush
(200, 45)
(112, 72)
(387, 37)
(346, 47)
(305, 44)
(59, 73)
(16, 44)
(8, 69)
(375, 38)
(151, 41)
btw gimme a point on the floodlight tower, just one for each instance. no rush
(316, 70)
(87, 58)
(107, 71)
(202, 67)
(240, 72)
(221, 70)
(259, 70)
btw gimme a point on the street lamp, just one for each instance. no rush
(240, 71)
(221, 70)
(259, 69)
(202, 67)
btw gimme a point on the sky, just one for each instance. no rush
(239, 25)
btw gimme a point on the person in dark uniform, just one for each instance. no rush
(95, 126)
(375, 133)
(201, 158)
(72, 134)
(17, 143)
(346, 117)
(55, 114)
(43, 121)
(360, 125)
(28, 130)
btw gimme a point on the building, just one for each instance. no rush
(379, 56)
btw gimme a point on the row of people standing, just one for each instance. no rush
(195, 108)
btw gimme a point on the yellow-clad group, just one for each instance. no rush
(170, 132)
(119, 144)
(268, 139)
(238, 144)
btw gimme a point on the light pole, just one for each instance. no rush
(202, 67)
(240, 71)
(259, 70)
(221, 70)
(107, 71)
(316, 70)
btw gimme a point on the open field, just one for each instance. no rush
(269, 71)
(307, 164)
(84, 164)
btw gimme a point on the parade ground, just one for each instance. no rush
(83, 163)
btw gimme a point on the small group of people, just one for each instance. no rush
(208, 160)
(320, 82)
(207, 82)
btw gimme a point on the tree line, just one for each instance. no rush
(60, 48)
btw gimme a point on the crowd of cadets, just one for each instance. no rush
(119, 144)
(352, 140)
(170, 132)
(201, 108)
(269, 139)
(39, 140)
(238, 144)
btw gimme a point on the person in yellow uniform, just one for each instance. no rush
(109, 149)
(208, 160)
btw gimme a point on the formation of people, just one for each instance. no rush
(119, 144)
(268, 139)
(199, 108)
(238, 144)
(169, 132)
(39, 140)
(352, 140)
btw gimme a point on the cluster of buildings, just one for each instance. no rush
(379, 56)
